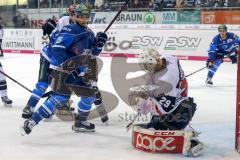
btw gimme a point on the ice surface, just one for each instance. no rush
(215, 118)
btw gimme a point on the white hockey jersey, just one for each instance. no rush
(169, 86)
(63, 21)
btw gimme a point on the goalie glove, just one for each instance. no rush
(145, 106)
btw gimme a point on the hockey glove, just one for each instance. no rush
(101, 39)
(209, 64)
(144, 106)
(79, 72)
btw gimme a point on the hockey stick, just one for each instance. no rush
(196, 71)
(203, 68)
(45, 95)
(113, 20)
(131, 123)
(16, 81)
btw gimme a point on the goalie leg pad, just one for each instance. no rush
(161, 141)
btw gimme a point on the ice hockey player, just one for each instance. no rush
(3, 89)
(73, 40)
(1, 37)
(50, 30)
(44, 72)
(47, 28)
(165, 97)
(225, 44)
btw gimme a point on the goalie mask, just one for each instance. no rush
(150, 60)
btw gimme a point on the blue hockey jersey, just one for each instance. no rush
(73, 40)
(46, 50)
(220, 48)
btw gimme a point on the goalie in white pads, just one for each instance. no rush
(165, 97)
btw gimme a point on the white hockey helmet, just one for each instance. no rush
(148, 59)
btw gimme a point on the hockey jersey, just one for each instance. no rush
(46, 50)
(170, 86)
(221, 48)
(73, 40)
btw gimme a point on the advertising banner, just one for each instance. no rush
(188, 17)
(124, 18)
(184, 41)
(220, 17)
(22, 40)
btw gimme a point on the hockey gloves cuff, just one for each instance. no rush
(101, 39)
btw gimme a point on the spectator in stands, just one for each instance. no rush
(32, 4)
(25, 22)
(44, 3)
(56, 3)
(17, 20)
(178, 4)
(220, 3)
(151, 6)
(188, 3)
(1, 20)
(136, 4)
(169, 3)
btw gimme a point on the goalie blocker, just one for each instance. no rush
(166, 141)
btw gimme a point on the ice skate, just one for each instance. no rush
(82, 126)
(27, 112)
(6, 101)
(209, 81)
(27, 127)
(103, 114)
(196, 148)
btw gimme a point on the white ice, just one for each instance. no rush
(215, 118)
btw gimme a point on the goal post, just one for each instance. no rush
(237, 134)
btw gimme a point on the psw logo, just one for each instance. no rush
(182, 42)
(138, 41)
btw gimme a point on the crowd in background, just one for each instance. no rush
(153, 5)
(20, 20)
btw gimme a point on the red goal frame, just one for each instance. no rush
(237, 132)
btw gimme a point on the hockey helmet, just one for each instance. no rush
(148, 59)
(222, 27)
(82, 10)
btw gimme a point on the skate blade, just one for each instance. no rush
(209, 85)
(106, 123)
(22, 131)
(82, 130)
(7, 105)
